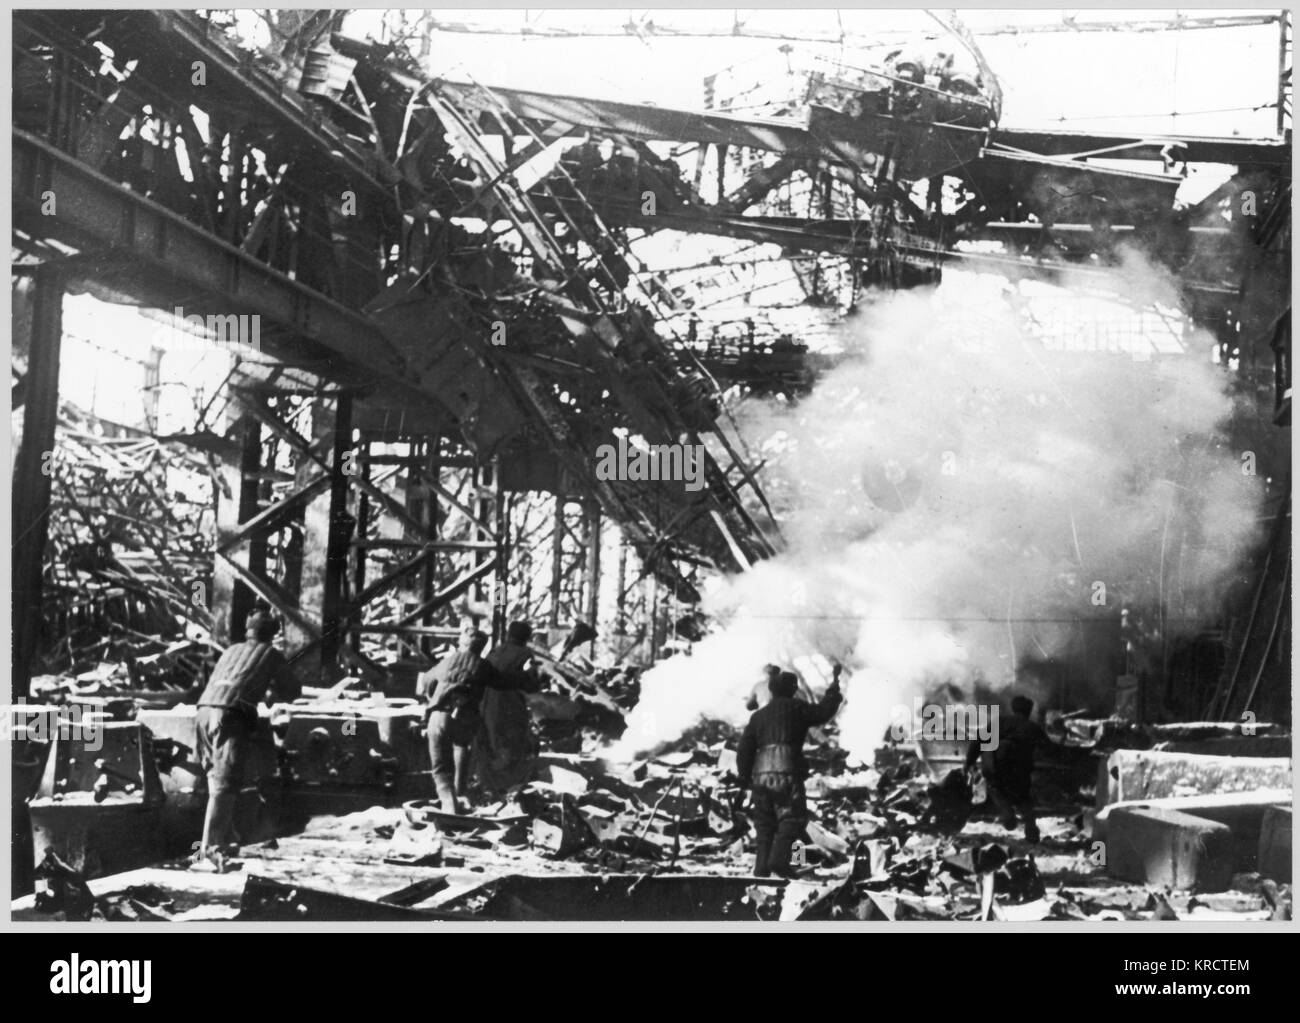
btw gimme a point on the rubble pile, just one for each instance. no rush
(581, 711)
(889, 844)
(589, 838)
(910, 836)
(129, 563)
(880, 844)
(150, 668)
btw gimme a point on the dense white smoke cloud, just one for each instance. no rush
(955, 495)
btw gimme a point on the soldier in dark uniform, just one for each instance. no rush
(770, 760)
(761, 694)
(1009, 766)
(506, 738)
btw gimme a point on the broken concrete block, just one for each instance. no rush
(1241, 812)
(1145, 774)
(1274, 859)
(564, 780)
(825, 840)
(1225, 807)
(1150, 845)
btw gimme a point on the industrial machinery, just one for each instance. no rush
(344, 752)
(99, 805)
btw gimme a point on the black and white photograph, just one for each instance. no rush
(501, 469)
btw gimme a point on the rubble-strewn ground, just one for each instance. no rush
(667, 838)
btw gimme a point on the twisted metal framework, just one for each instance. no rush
(384, 226)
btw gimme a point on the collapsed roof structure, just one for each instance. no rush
(451, 262)
(438, 308)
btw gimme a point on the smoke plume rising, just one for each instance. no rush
(957, 496)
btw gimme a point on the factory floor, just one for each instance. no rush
(347, 868)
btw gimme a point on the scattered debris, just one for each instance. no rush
(884, 844)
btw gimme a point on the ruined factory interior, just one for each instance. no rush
(501, 466)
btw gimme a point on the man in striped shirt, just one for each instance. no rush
(245, 674)
(454, 688)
